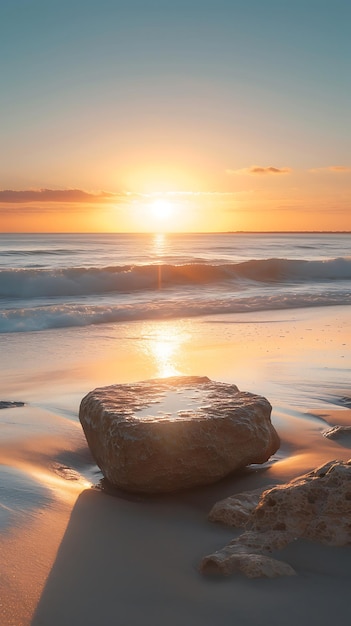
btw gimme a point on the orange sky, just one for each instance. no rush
(209, 108)
(258, 198)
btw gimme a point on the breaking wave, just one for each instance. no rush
(81, 281)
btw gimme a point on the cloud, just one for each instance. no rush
(46, 208)
(200, 193)
(331, 168)
(50, 201)
(9, 196)
(256, 169)
(78, 196)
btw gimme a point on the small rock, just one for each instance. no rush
(341, 434)
(68, 473)
(237, 557)
(5, 404)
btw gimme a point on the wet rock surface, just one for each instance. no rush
(168, 434)
(7, 404)
(315, 506)
(340, 434)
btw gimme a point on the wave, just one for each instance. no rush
(81, 281)
(73, 315)
(39, 252)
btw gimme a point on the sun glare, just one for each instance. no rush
(161, 209)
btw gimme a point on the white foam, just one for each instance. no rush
(70, 315)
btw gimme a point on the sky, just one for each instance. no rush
(197, 115)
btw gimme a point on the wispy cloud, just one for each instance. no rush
(51, 201)
(57, 196)
(331, 168)
(200, 193)
(259, 170)
(9, 196)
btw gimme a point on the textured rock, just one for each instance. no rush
(167, 434)
(315, 506)
(237, 557)
(341, 434)
(236, 510)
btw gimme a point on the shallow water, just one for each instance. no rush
(298, 359)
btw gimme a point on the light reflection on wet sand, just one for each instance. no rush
(297, 359)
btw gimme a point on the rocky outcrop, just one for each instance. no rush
(168, 434)
(315, 506)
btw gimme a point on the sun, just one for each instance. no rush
(161, 209)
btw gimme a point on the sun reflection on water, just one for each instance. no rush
(159, 248)
(164, 346)
(159, 244)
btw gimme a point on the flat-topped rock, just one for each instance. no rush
(173, 433)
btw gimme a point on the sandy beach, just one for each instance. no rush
(73, 554)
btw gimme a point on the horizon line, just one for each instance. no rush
(210, 232)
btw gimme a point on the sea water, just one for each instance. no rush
(68, 280)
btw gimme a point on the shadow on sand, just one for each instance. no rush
(133, 562)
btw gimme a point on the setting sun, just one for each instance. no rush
(162, 209)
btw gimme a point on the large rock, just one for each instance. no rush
(168, 434)
(315, 506)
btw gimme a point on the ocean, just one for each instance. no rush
(68, 280)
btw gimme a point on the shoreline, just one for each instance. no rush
(74, 555)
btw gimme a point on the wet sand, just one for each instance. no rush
(74, 555)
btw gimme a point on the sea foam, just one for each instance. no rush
(70, 315)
